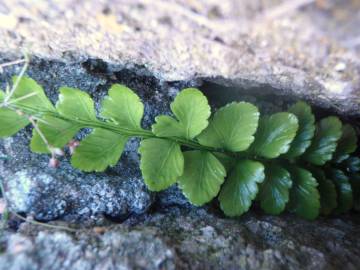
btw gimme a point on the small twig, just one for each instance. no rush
(18, 79)
(53, 162)
(6, 103)
(10, 93)
(11, 63)
(33, 221)
(42, 136)
(43, 224)
(38, 119)
(18, 99)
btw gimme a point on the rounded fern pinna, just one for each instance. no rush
(283, 161)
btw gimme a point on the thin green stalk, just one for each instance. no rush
(141, 133)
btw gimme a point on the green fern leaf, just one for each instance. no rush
(306, 129)
(201, 172)
(10, 121)
(202, 177)
(343, 188)
(241, 187)
(274, 135)
(327, 133)
(327, 190)
(76, 104)
(56, 131)
(123, 106)
(347, 143)
(232, 127)
(227, 161)
(274, 191)
(192, 110)
(161, 163)
(304, 196)
(355, 186)
(100, 149)
(29, 93)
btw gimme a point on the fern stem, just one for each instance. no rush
(140, 133)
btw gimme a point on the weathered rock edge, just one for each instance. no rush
(189, 239)
(248, 43)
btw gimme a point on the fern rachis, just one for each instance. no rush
(284, 160)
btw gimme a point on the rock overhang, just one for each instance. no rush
(256, 46)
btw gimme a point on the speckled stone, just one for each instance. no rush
(33, 188)
(181, 238)
(308, 49)
(265, 52)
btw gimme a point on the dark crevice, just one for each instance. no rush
(119, 218)
(14, 222)
(96, 67)
(264, 97)
(219, 91)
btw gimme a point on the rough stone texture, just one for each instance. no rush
(66, 193)
(117, 248)
(189, 239)
(266, 52)
(306, 48)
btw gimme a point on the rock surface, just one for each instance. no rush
(189, 239)
(32, 187)
(305, 48)
(267, 52)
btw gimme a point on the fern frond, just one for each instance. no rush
(285, 161)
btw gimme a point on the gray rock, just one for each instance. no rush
(34, 188)
(172, 197)
(66, 193)
(189, 239)
(115, 249)
(266, 52)
(250, 44)
(227, 54)
(205, 240)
